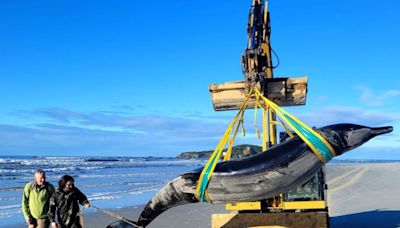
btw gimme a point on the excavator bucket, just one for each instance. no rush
(282, 91)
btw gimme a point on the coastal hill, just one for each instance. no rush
(237, 151)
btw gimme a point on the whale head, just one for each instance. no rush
(345, 137)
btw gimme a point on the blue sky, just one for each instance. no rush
(130, 78)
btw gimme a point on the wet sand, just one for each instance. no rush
(185, 216)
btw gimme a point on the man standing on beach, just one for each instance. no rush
(36, 199)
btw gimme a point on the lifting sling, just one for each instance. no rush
(322, 149)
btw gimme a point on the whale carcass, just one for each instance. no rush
(279, 169)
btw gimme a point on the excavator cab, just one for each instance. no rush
(313, 190)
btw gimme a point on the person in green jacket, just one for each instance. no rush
(36, 199)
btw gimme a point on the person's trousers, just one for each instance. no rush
(40, 223)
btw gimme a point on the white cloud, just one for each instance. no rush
(345, 114)
(104, 133)
(376, 99)
(59, 131)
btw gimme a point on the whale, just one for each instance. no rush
(277, 170)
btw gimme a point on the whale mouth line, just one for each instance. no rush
(381, 130)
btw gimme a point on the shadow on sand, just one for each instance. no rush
(378, 218)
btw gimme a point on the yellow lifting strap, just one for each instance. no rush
(208, 169)
(314, 140)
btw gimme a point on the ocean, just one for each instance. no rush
(108, 182)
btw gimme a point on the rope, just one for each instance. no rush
(81, 221)
(117, 216)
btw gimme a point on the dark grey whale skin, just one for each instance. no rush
(277, 170)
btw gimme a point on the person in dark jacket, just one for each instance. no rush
(65, 204)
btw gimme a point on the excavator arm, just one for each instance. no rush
(256, 60)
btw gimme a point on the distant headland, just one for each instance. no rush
(237, 151)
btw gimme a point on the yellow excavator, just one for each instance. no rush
(305, 206)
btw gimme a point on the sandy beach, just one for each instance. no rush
(364, 195)
(360, 195)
